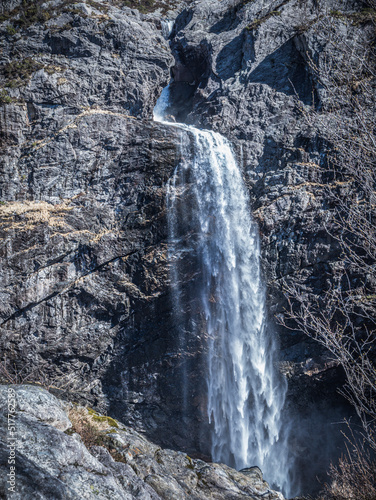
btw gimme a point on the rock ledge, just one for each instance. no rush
(68, 451)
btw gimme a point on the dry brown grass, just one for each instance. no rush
(26, 215)
(354, 478)
(95, 429)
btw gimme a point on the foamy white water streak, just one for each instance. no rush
(245, 393)
(167, 25)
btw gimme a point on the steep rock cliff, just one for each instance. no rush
(254, 71)
(85, 292)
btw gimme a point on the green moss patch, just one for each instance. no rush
(18, 73)
(257, 22)
(111, 422)
(364, 16)
(102, 418)
(95, 430)
(5, 98)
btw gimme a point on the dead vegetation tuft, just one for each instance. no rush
(26, 215)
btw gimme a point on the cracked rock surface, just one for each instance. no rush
(250, 71)
(85, 302)
(53, 461)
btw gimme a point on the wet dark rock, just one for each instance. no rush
(86, 304)
(85, 298)
(256, 88)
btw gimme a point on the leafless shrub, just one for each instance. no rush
(343, 319)
(354, 478)
(10, 374)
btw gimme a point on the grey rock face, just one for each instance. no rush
(84, 275)
(83, 182)
(87, 56)
(53, 464)
(35, 402)
(246, 69)
(85, 302)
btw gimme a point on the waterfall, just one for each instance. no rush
(245, 393)
(167, 25)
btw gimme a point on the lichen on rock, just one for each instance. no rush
(119, 464)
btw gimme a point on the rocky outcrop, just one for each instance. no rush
(67, 451)
(85, 297)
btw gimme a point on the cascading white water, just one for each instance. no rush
(245, 393)
(167, 25)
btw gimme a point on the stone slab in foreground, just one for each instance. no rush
(65, 451)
